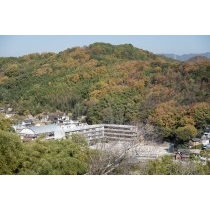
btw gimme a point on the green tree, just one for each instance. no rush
(162, 166)
(5, 123)
(201, 114)
(64, 157)
(166, 166)
(185, 133)
(11, 153)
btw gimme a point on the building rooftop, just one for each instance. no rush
(196, 139)
(207, 130)
(120, 126)
(79, 128)
(183, 151)
(45, 128)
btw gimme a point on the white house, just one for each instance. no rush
(205, 137)
(204, 141)
(207, 133)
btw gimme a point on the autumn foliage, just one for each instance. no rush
(111, 84)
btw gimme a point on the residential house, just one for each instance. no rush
(182, 154)
(194, 142)
(54, 118)
(205, 137)
(43, 118)
(27, 122)
(207, 146)
(204, 140)
(207, 132)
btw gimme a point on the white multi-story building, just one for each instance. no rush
(90, 132)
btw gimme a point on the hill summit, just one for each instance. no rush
(109, 84)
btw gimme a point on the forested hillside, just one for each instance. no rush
(111, 84)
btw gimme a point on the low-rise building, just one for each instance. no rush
(194, 142)
(204, 140)
(206, 133)
(182, 154)
(90, 132)
(27, 122)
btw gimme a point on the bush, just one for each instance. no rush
(200, 146)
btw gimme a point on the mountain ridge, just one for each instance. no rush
(185, 57)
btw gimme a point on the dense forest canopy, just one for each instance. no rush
(111, 84)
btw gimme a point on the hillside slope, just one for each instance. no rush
(110, 84)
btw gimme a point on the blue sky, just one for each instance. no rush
(178, 44)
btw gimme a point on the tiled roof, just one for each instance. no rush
(195, 139)
(184, 151)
